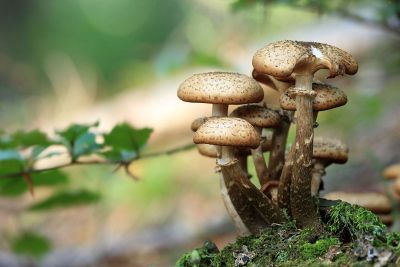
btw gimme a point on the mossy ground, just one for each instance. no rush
(352, 236)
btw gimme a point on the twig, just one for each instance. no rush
(97, 162)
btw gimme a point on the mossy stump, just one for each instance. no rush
(352, 236)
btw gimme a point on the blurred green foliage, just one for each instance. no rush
(30, 243)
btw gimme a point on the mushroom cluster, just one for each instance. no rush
(289, 180)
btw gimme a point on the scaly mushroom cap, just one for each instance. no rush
(392, 172)
(220, 88)
(376, 202)
(197, 122)
(327, 97)
(257, 116)
(330, 150)
(207, 150)
(227, 132)
(283, 58)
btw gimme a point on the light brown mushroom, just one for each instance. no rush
(392, 172)
(376, 202)
(301, 60)
(260, 117)
(325, 152)
(253, 207)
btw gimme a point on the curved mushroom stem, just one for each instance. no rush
(259, 210)
(317, 172)
(259, 161)
(277, 155)
(303, 207)
(285, 181)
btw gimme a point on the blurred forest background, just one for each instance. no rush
(111, 61)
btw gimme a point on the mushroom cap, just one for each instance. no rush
(386, 219)
(257, 116)
(327, 97)
(392, 172)
(396, 187)
(330, 150)
(220, 88)
(197, 122)
(225, 131)
(208, 150)
(376, 202)
(283, 58)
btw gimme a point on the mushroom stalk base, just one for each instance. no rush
(254, 208)
(317, 172)
(303, 206)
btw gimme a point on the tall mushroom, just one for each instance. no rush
(222, 89)
(256, 210)
(301, 60)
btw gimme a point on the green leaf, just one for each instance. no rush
(11, 162)
(27, 139)
(85, 144)
(125, 142)
(72, 133)
(30, 243)
(66, 199)
(13, 187)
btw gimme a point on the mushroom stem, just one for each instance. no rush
(259, 210)
(317, 172)
(303, 207)
(219, 110)
(285, 181)
(277, 155)
(259, 161)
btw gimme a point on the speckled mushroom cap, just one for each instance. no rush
(283, 58)
(330, 150)
(227, 132)
(257, 116)
(392, 172)
(220, 88)
(207, 150)
(327, 97)
(376, 202)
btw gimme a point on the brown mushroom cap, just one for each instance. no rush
(330, 150)
(396, 187)
(386, 219)
(376, 202)
(220, 88)
(282, 58)
(257, 116)
(327, 97)
(227, 132)
(392, 172)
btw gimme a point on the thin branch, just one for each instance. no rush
(98, 162)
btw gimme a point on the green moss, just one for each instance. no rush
(199, 257)
(347, 228)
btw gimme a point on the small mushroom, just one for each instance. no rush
(260, 117)
(253, 207)
(301, 60)
(376, 202)
(392, 172)
(325, 152)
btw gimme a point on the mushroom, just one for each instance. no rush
(254, 208)
(221, 89)
(376, 202)
(301, 60)
(392, 172)
(260, 117)
(325, 152)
